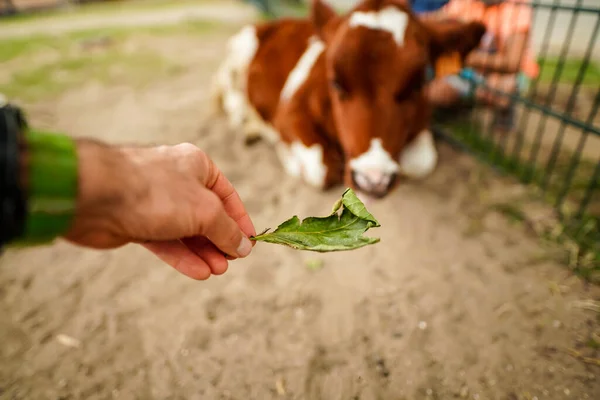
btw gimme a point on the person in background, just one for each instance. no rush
(504, 60)
(173, 200)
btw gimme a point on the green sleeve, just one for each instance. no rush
(51, 189)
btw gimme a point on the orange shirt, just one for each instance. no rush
(501, 20)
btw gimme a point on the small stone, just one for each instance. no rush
(429, 392)
(68, 341)
(509, 367)
(567, 391)
(476, 396)
(279, 385)
(185, 352)
(556, 323)
(422, 325)
(464, 392)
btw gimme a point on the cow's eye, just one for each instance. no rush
(339, 87)
(414, 86)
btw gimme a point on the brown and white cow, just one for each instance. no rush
(342, 97)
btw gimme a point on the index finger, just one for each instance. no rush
(231, 200)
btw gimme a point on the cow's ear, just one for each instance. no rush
(451, 36)
(321, 16)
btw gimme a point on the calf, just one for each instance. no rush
(342, 97)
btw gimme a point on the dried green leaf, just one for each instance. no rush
(337, 232)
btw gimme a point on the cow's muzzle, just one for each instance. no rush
(374, 183)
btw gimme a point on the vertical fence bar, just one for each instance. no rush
(497, 148)
(551, 95)
(513, 103)
(534, 86)
(587, 199)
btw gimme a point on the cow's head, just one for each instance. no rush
(376, 57)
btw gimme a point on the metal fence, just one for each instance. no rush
(553, 143)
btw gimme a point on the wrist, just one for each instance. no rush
(108, 180)
(102, 175)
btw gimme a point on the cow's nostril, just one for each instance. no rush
(392, 181)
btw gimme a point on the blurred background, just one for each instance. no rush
(483, 285)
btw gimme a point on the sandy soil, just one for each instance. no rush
(453, 303)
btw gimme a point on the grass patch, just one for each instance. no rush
(514, 212)
(43, 66)
(13, 48)
(53, 78)
(570, 71)
(68, 64)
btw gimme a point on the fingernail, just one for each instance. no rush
(245, 247)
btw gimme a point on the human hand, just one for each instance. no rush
(173, 200)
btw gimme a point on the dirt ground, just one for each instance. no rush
(453, 302)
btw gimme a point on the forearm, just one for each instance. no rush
(492, 62)
(507, 61)
(106, 182)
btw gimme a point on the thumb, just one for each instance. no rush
(221, 229)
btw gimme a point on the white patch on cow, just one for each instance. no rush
(311, 159)
(301, 161)
(243, 46)
(234, 103)
(389, 19)
(375, 159)
(301, 71)
(290, 163)
(230, 82)
(419, 158)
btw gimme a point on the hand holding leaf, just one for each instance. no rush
(336, 232)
